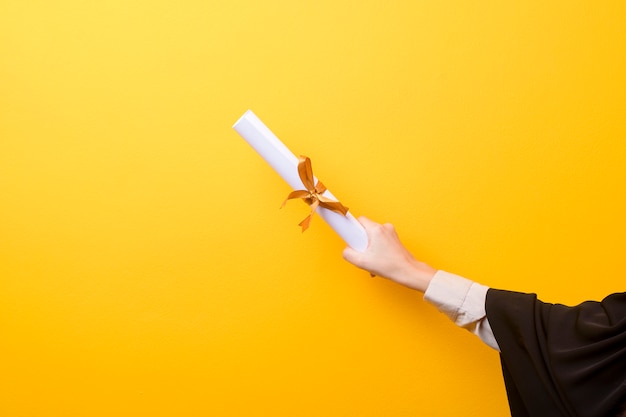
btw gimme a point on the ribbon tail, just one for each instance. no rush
(307, 221)
(335, 206)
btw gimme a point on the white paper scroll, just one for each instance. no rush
(285, 163)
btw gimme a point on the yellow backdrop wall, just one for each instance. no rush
(145, 269)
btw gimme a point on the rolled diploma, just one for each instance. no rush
(285, 163)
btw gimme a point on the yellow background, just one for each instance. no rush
(145, 269)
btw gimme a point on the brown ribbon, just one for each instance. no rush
(313, 193)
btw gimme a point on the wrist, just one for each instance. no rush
(419, 276)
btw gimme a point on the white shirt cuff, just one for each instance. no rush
(463, 301)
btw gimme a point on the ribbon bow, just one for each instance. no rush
(313, 193)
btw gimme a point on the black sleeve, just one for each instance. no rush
(559, 360)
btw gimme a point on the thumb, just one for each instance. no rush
(351, 255)
(355, 258)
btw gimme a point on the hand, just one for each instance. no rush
(386, 256)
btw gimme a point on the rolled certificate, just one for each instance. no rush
(285, 163)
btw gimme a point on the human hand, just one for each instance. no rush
(386, 256)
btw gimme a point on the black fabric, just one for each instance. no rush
(559, 360)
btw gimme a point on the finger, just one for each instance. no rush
(370, 226)
(390, 230)
(366, 222)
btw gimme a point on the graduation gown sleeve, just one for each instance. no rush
(559, 360)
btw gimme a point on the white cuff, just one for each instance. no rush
(463, 301)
